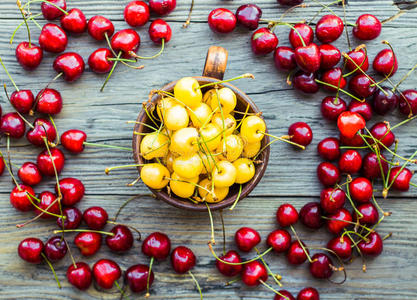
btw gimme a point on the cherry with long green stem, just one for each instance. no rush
(339, 89)
(84, 230)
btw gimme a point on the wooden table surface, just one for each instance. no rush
(290, 176)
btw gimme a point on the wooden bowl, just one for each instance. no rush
(214, 69)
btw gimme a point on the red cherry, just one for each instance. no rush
(247, 238)
(358, 58)
(329, 28)
(248, 15)
(370, 215)
(332, 107)
(339, 220)
(157, 245)
(329, 148)
(310, 215)
(383, 134)
(253, 272)
(122, 240)
(29, 174)
(20, 198)
(284, 58)
(12, 124)
(125, 41)
(296, 254)
(79, 276)
(160, 30)
(29, 57)
(71, 64)
(383, 103)
(368, 27)
(73, 140)
(99, 26)
(263, 41)
(95, 217)
(162, 7)
(329, 56)
(373, 246)
(106, 272)
(385, 62)
(332, 199)
(361, 189)
(279, 240)
(349, 123)
(88, 242)
(362, 108)
(137, 277)
(136, 13)
(285, 295)
(22, 100)
(226, 269)
(321, 267)
(47, 199)
(73, 218)
(45, 165)
(300, 133)
(55, 248)
(53, 38)
(222, 20)
(182, 259)
(75, 22)
(328, 174)
(305, 82)
(306, 33)
(342, 246)
(99, 60)
(355, 141)
(49, 101)
(30, 250)
(408, 102)
(50, 12)
(286, 215)
(350, 162)
(362, 86)
(2, 165)
(371, 167)
(290, 2)
(308, 58)
(308, 293)
(402, 178)
(72, 190)
(42, 128)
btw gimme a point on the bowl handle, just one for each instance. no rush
(216, 61)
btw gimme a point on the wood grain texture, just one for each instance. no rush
(290, 176)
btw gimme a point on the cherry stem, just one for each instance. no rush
(122, 292)
(223, 231)
(244, 116)
(275, 276)
(349, 222)
(321, 9)
(246, 75)
(107, 146)
(45, 1)
(301, 244)
(278, 23)
(346, 232)
(237, 198)
(84, 230)
(339, 269)
(272, 289)
(149, 276)
(212, 241)
(107, 170)
(362, 46)
(413, 184)
(25, 21)
(346, 28)
(56, 130)
(290, 10)
(121, 59)
(52, 269)
(123, 206)
(350, 200)
(399, 172)
(357, 249)
(380, 208)
(196, 284)
(43, 211)
(133, 182)
(150, 57)
(20, 25)
(10, 172)
(342, 90)
(284, 138)
(41, 93)
(70, 254)
(187, 22)
(210, 245)
(393, 64)
(111, 71)
(404, 78)
(10, 76)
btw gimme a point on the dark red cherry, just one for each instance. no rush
(226, 269)
(160, 30)
(48, 203)
(362, 108)
(12, 124)
(222, 20)
(42, 128)
(382, 133)
(106, 272)
(88, 242)
(339, 220)
(73, 140)
(182, 259)
(157, 245)
(285, 295)
(329, 56)
(355, 141)
(253, 272)
(137, 277)
(328, 174)
(332, 199)
(247, 238)
(329, 28)
(53, 38)
(310, 215)
(99, 26)
(321, 267)
(373, 246)
(329, 148)
(99, 60)
(286, 215)
(51, 12)
(30, 250)
(362, 86)
(371, 167)
(22, 100)
(360, 57)
(402, 178)
(29, 57)
(349, 123)
(300, 133)
(342, 246)
(305, 82)
(75, 22)
(284, 58)
(49, 101)
(361, 190)
(279, 240)
(350, 162)
(162, 7)
(408, 102)
(29, 174)
(385, 63)
(55, 248)
(122, 240)
(306, 33)
(73, 218)
(95, 217)
(80, 276)
(136, 13)
(263, 41)
(248, 15)
(308, 58)
(19, 198)
(125, 41)
(370, 215)
(290, 2)
(308, 293)
(383, 103)
(296, 254)
(332, 107)
(71, 64)
(368, 27)
(72, 190)
(45, 165)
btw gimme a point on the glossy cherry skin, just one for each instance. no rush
(2, 166)
(229, 270)
(45, 164)
(160, 30)
(385, 103)
(247, 238)
(371, 168)
(30, 250)
(305, 82)
(75, 22)
(308, 58)
(263, 41)
(55, 248)
(402, 180)
(88, 242)
(368, 27)
(329, 28)
(80, 276)
(126, 40)
(49, 101)
(73, 218)
(385, 63)
(383, 134)
(332, 200)
(355, 141)
(361, 60)
(122, 240)
(99, 62)
(361, 190)
(328, 174)
(350, 162)
(137, 277)
(136, 13)
(29, 57)
(286, 215)
(95, 217)
(162, 7)
(300, 133)
(12, 124)
(222, 20)
(253, 272)
(370, 215)
(72, 191)
(284, 58)
(372, 247)
(290, 2)
(248, 15)
(182, 259)
(71, 64)
(42, 129)
(157, 245)
(285, 295)
(22, 100)
(53, 38)
(334, 77)
(341, 246)
(50, 12)
(361, 86)
(331, 107)
(329, 56)
(73, 140)
(19, 198)
(321, 266)
(408, 102)
(308, 293)
(296, 254)
(339, 220)
(310, 215)
(279, 240)
(329, 148)
(349, 123)
(306, 33)
(106, 272)
(362, 108)
(47, 199)
(99, 26)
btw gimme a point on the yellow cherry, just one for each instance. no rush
(229, 124)
(251, 149)
(184, 141)
(176, 117)
(245, 170)
(227, 99)
(210, 137)
(219, 192)
(182, 187)
(168, 160)
(200, 115)
(188, 166)
(208, 162)
(208, 95)
(224, 175)
(252, 129)
(154, 144)
(154, 175)
(231, 147)
(187, 90)
(163, 105)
